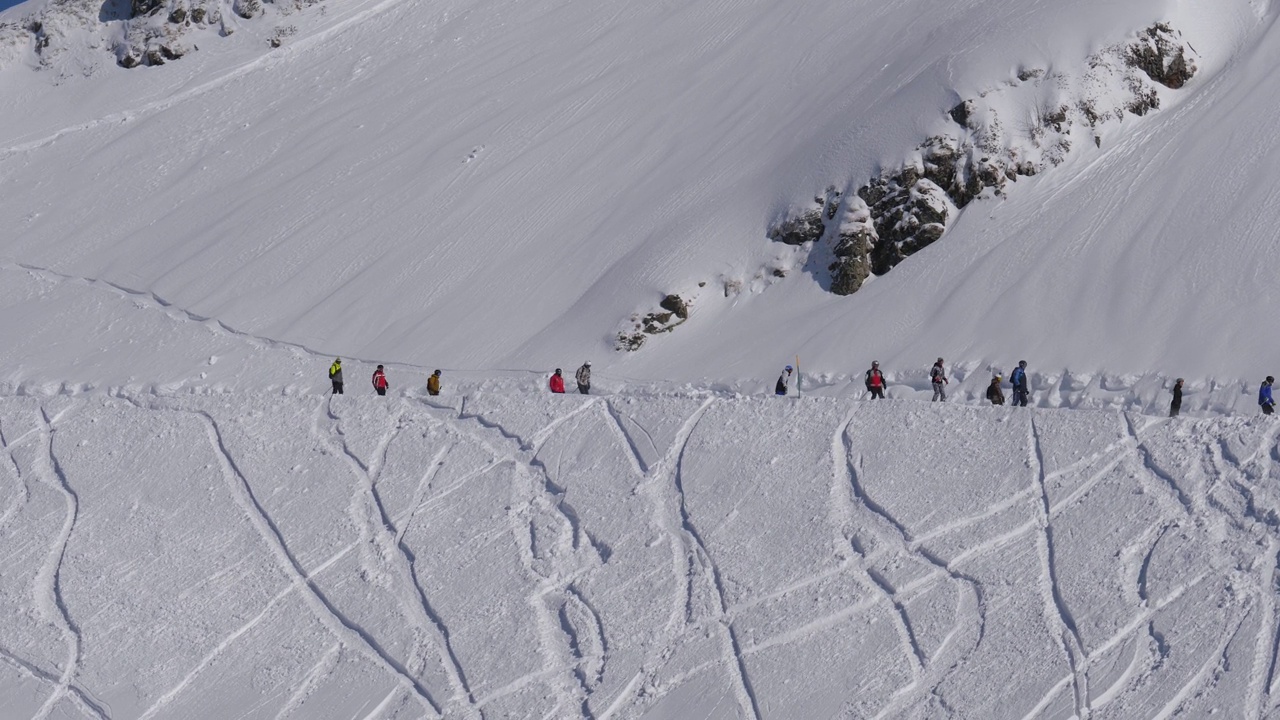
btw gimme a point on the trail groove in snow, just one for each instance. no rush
(734, 656)
(1188, 578)
(348, 633)
(1058, 616)
(393, 551)
(52, 601)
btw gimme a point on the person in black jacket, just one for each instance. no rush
(1176, 405)
(783, 380)
(994, 393)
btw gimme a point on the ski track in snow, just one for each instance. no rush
(352, 18)
(928, 673)
(1062, 624)
(847, 541)
(574, 648)
(347, 632)
(322, 669)
(553, 568)
(22, 493)
(382, 532)
(50, 601)
(734, 658)
(79, 697)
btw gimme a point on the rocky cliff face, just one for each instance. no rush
(80, 36)
(989, 145)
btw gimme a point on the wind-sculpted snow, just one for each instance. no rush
(517, 554)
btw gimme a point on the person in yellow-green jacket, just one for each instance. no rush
(433, 383)
(335, 375)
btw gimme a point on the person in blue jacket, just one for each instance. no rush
(1019, 381)
(1265, 400)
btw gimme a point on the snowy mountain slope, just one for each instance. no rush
(501, 185)
(667, 556)
(190, 527)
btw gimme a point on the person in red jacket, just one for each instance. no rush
(557, 382)
(380, 381)
(875, 381)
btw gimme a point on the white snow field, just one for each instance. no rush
(660, 555)
(192, 527)
(493, 184)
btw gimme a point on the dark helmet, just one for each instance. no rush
(557, 371)
(1022, 363)
(379, 367)
(436, 372)
(1270, 379)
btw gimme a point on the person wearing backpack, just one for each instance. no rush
(875, 381)
(380, 381)
(583, 377)
(1019, 381)
(938, 376)
(433, 383)
(994, 393)
(1265, 400)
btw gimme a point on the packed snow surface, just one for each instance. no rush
(661, 555)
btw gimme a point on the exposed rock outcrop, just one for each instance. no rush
(674, 312)
(130, 33)
(1160, 53)
(904, 210)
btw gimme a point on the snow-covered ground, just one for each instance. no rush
(190, 526)
(665, 555)
(491, 184)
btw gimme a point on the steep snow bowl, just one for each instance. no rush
(493, 184)
(523, 555)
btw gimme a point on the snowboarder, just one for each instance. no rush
(380, 381)
(875, 381)
(783, 380)
(994, 393)
(583, 377)
(433, 383)
(938, 376)
(1265, 401)
(335, 374)
(557, 382)
(1019, 381)
(1176, 405)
